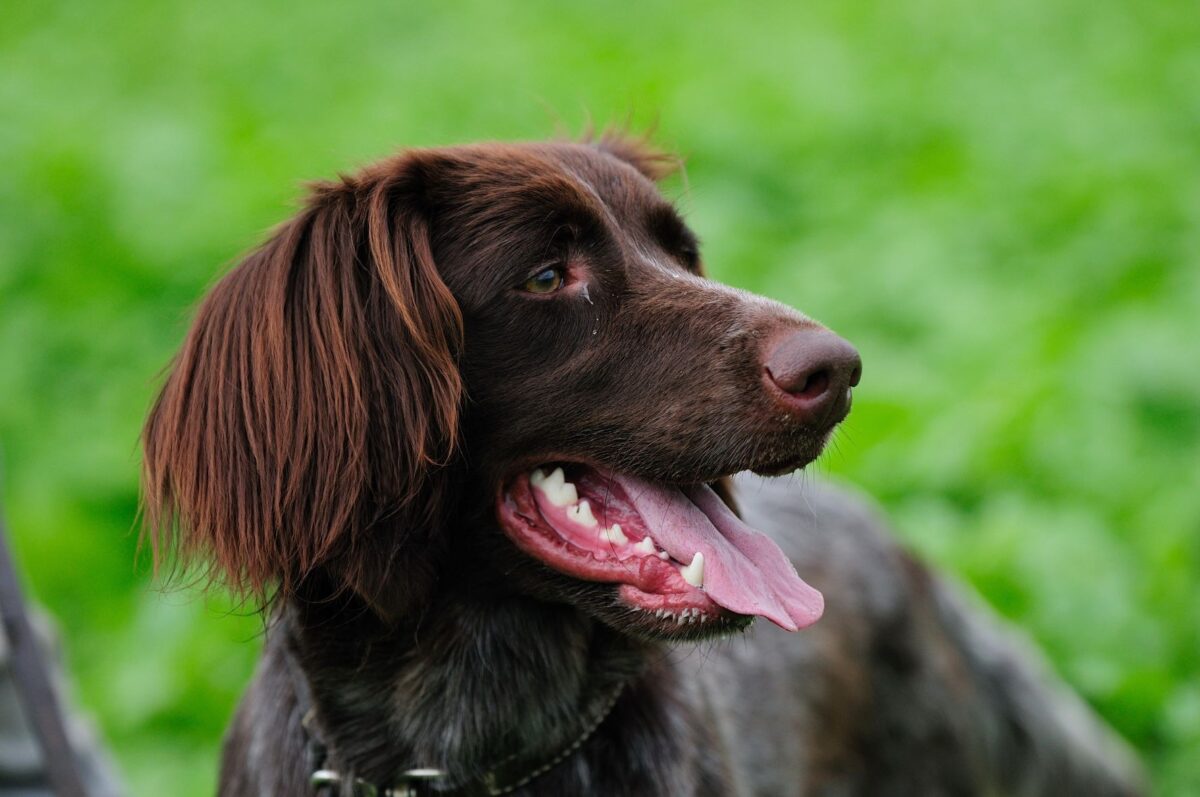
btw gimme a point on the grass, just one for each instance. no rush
(997, 202)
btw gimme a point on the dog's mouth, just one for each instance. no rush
(677, 552)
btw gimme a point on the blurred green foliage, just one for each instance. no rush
(997, 202)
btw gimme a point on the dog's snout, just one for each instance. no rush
(814, 370)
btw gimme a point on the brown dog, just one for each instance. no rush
(468, 419)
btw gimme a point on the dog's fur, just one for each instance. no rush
(351, 399)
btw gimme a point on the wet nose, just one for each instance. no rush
(814, 369)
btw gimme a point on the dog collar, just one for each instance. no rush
(504, 778)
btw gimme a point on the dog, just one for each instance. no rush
(467, 428)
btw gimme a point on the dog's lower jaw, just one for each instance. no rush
(651, 627)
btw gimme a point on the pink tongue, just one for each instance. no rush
(744, 570)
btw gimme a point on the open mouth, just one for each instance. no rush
(677, 552)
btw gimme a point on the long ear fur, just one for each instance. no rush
(316, 394)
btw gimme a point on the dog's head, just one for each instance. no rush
(500, 348)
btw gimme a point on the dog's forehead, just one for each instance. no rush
(617, 181)
(591, 173)
(507, 203)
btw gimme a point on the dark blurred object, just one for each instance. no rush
(43, 751)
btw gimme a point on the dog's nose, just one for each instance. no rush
(815, 370)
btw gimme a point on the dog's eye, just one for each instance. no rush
(545, 281)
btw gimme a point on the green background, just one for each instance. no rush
(997, 202)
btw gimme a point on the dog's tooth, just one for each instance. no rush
(694, 572)
(614, 535)
(664, 555)
(581, 513)
(554, 486)
(566, 495)
(645, 545)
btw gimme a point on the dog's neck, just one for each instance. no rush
(460, 687)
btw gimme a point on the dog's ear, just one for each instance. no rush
(315, 396)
